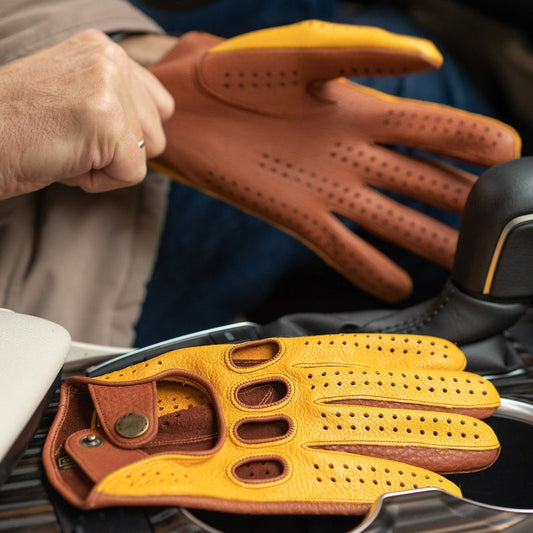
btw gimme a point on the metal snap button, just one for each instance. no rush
(132, 425)
(91, 441)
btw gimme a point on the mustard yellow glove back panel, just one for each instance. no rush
(268, 122)
(317, 425)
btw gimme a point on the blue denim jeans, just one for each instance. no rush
(216, 263)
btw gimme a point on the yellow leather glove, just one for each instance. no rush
(267, 122)
(318, 425)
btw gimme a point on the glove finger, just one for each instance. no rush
(429, 181)
(271, 69)
(305, 218)
(353, 257)
(428, 126)
(422, 352)
(366, 478)
(442, 442)
(427, 390)
(364, 349)
(308, 481)
(325, 50)
(401, 225)
(360, 480)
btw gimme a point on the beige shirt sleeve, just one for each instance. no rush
(30, 25)
(81, 260)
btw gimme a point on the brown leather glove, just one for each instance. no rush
(267, 122)
(318, 425)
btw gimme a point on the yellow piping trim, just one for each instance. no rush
(319, 34)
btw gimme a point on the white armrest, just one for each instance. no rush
(32, 353)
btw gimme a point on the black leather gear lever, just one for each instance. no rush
(491, 284)
(494, 256)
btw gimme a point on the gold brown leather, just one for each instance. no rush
(321, 425)
(268, 122)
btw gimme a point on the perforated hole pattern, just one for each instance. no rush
(363, 205)
(401, 425)
(338, 472)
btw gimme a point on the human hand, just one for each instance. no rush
(77, 113)
(267, 122)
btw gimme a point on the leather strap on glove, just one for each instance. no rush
(268, 122)
(317, 425)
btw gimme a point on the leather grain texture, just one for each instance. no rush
(322, 424)
(269, 122)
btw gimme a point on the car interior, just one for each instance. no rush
(484, 307)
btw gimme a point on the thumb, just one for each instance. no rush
(278, 64)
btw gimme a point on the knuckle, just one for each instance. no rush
(106, 59)
(107, 70)
(138, 173)
(114, 52)
(100, 107)
(157, 145)
(102, 100)
(93, 34)
(90, 36)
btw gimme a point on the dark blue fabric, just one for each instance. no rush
(227, 18)
(216, 263)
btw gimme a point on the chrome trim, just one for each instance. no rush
(161, 347)
(511, 374)
(510, 226)
(431, 510)
(516, 410)
(197, 522)
(438, 510)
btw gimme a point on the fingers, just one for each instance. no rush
(145, 101)
(144, 117)
(429, 181)
(435, 128)
(450, 132)
(433, 389)
(271, 70)
(146, 104)
(326, 50)
(126, 111)
(404, 226)
(353, 257)
(127, 167)
(366, 477)
(420, 352)
(363, 264)
(306, 216)
(440, 442)
(155, 105)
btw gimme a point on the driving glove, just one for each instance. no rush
(268, 122)
(319, 425)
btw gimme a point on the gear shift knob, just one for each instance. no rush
(494, 257)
